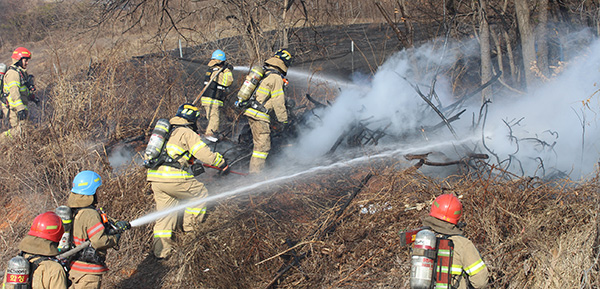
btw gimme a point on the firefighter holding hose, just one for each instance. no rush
(91, 224)
(35, 267)
(268, 97)
(173, 176)
(217, 80)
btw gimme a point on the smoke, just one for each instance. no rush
(123, 156)
(552, 128)
(387, 100)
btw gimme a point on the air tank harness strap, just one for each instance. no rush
(35, 264)
(258, 106)
(194, 169)
(431, 254)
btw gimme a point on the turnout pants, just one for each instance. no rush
(168, 195)
(81, 280)
(17, 126)
(213, 114)
(261, 137)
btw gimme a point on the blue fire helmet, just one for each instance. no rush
(219, 55)
(86, 183)
(189, 112)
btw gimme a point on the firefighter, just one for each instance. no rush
(38, 247)
(17, 90)
(269, 97)
(468, 269)
(175, 181)
(212, 98)
(88, 224)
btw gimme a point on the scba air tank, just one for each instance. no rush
(17, 273)
(157, 139)
(2, 70)
(423, 260)
(252, 80)
(64, 213)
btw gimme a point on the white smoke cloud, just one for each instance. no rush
(557, 112)
(553, 112)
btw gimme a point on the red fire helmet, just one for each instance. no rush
(21, 52)
(446, 208)
(47, 226)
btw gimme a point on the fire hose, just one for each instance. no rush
(220, 169)
(73, 251)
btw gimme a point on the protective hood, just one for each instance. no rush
(441, 227)
(214, 62)
(179, 121)
(38, 246)
(184, 122)
(278, 63)
(80, 201)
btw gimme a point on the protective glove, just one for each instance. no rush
(224, 168)
(229, 66)
(239, 103)
(22, 114)
(34, 98)
(288, 125)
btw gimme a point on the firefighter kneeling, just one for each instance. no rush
(442, 257)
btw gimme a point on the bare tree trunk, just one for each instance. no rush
(284, 32)
(484, 47)
(511, 57)
(527, 40)
(542, 38)
(499, 54)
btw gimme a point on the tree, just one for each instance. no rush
(484, 47)
(527, 40)
(542, 38)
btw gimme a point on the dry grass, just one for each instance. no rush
(531, 234)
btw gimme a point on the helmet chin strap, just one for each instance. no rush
(194, 127)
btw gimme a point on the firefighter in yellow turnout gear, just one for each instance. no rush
(38, 247)
(175, 182)
(17, 90)
(213, 96)
(269, 97)
(89, 266)
(468, 269)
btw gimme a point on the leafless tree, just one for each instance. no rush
(527, 39)
(541, 37)
(484, 46)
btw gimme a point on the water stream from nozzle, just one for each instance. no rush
(158, 214)
(304, 77)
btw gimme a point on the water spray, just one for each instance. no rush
(304, 75)
(158, 214)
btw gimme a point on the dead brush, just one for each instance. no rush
(531, 234)
(85, 113)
